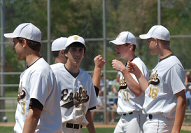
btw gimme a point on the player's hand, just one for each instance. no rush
(118, 65)
(99, 61)
(132, 68)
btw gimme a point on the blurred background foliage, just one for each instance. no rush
(84, 17)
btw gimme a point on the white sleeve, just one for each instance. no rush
(176, 78)
(39, 86)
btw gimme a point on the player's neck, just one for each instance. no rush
(58, 60)
(72, 68)
(132, 57)
(31, 59)
(165, 54)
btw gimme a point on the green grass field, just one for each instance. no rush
(98, 130)
(12, 105)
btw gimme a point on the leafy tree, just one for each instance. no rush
(85, 18)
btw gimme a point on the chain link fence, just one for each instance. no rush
(180, 44)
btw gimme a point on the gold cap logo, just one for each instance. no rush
(76, 37)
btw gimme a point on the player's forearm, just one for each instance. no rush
(180, 113)
(131, 83)
(90, 125)
(97, 77)
(142, 81)
(31, 122)
(30, 126)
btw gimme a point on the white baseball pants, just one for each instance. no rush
(130, 123)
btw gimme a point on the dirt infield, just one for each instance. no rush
(8, 124)
(97, 125)
(186, 128)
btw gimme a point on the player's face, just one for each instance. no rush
(153, 46)
(18, 46)
(123, 51)
(76, 54)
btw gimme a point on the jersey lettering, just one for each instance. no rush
(21, 100)
(123, 84)
(74, 98)
(154, 79)
(21, 95)
(154, 92)
(23, 105)
(125, 95)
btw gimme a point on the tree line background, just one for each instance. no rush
(84, 17)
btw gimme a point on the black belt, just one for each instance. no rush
(74, 126)
(130, 113)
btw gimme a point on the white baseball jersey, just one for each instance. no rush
(127, 101)
(166, 79)
(78, 94)
(39, 82)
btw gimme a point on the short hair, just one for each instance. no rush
(55, 53)
(164, 42)
(32, 44)
(75, 44)
(134, 47)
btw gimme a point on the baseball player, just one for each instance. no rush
(38, 99)
(78, 95)
(165, 100)
(130, 95)
(57, 48)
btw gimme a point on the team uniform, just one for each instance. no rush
(166, 79)
(38, 82)
(130, 106)
(78, 96)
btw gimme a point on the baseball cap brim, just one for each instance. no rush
(10, 35)
(144, 36)
(117, 42)
(68, 44)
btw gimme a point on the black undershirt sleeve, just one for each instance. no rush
(96, 90)
(92, 108)
(34, 103)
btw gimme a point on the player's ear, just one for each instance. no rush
(157, 42)
(24, 43)
(131, 47)
(62, 52)
(66, 54)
